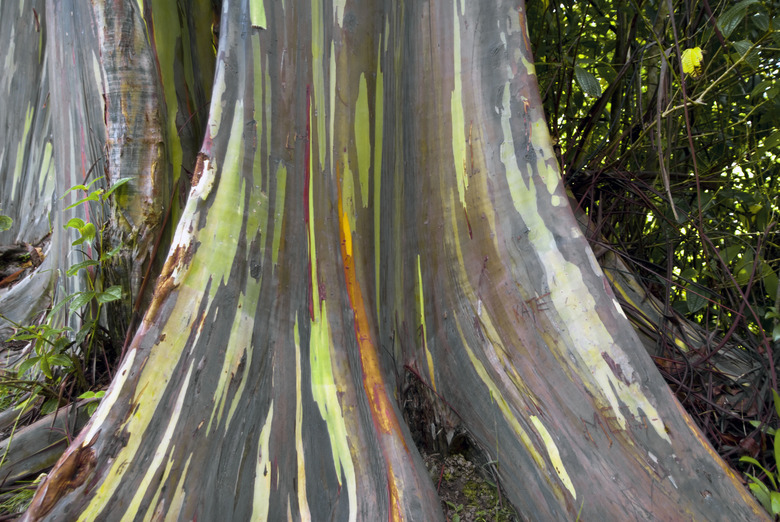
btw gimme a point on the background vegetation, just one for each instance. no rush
(678, 173)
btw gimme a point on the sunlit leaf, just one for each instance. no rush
(691, 61)
(74, 223)
(88, 233)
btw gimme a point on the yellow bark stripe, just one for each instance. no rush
(424, 332)
(325, 392)
(554, 455)
(570, 296)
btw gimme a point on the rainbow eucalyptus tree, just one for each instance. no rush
(375, 199)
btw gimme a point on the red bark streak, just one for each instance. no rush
(307, 173)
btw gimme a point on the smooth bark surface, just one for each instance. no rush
(376, 196)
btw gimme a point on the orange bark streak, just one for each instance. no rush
(382, 411)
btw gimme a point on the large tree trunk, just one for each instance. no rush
(376, 197)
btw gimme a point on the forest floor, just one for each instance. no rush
(466, 492)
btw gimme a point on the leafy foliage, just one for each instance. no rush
(58, 357)
(675, 162)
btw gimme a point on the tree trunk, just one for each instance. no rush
(376, 199)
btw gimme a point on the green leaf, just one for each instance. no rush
(730, 252)
(760, 491)
(60, 359)
(88, 233)
(26, 365)
(777, 411)
(73, 270)
(85, 188)
(74, 223)
(764, 428)
(729, 20)
(776, 333)
(774, 498)
(59, 305)
(84, 331)
(115, 186)
(111, 294)
(49, 406)
(91, 197)
(770, 143)
(5, 223)
(751, 460)
(82, 298)
(45, 368)
(23, 337)
(761, 20)
(108, 255)
(695, 300)
(587, 82)
(74, 187)
(742, 47)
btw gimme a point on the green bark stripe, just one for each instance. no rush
(162, 449)
(303, 503)
(362, 139)
(325, 392)
(456, 111)
(257, 14)
(167, 38)
(281, 187)
(379, 114)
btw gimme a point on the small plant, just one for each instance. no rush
(457, 509)
(95, 396)
(58, 353)
(769, 498)
(5, 222)
(18, 499)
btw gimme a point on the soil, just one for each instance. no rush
(466, 493)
